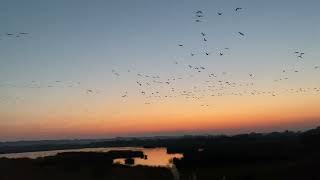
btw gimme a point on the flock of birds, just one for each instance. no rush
(10, 35)
(154, 88)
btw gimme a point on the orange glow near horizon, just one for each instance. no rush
(174, 118)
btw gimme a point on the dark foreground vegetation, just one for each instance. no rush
(80, 166)
(277, 156)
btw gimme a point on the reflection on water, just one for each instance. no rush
(155, 156)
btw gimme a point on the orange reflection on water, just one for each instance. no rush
(156, 157)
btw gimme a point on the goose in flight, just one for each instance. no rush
(89, 91)
(242, 34)
(237, 9)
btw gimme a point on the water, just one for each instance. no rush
(156, 156)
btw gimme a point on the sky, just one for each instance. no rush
(76, 73)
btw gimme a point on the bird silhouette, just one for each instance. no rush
(89, 91)
(237, 9)
(242, 34)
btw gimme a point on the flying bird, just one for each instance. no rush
(237, 9)
(89, 91)
(219, 13)
(115, 73)
(242, 34)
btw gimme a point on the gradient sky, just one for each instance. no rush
(75, 41)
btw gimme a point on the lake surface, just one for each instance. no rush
(156, 156)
